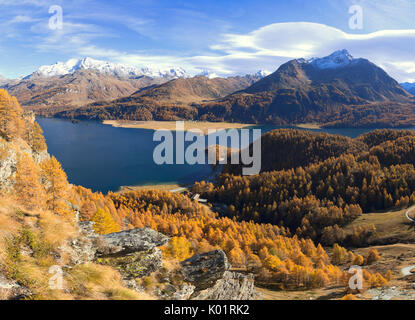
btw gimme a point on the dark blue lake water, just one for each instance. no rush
(104, 158)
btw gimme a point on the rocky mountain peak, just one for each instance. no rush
(337, 59)
(109, 68)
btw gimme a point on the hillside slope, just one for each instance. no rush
(169, 101)
(337, 90)
(74, 89)
(49, 249)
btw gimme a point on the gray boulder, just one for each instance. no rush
(135, 265)
(208, 273)
(233, 286)
(130, 241)
(205, 269)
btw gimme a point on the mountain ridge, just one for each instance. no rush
(345, 91)
(172, 100)
(105, 67)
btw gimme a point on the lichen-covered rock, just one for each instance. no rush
(184, 292)
(205, 269)
(233, 286)
(130, 241)
(83, 248)
(9, 157)
(208, 272)
(135, 265)
(11, 290)
(8, 164)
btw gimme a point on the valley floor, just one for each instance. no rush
(399, 256)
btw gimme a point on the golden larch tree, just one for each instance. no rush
(28, 189)
(35, 138)
(56, 185)
(104, 222)
(11, 122)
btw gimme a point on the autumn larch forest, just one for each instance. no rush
(286, 225)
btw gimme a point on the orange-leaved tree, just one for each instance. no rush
(28, 189)
(178, 248)
(34, 136)
(104, 223)
(56, 185)
(11, 122)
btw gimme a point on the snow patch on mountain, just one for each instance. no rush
(338, 59)
(115, 69)
(208, 74)
(262, 73)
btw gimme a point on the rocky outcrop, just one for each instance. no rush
(135, 265)
(8, 164)
(135, 255)
(83, 248)
(232, 286)
(10, 153)
(11, 290)
(208, 273)
(130, 241)
(205, 269)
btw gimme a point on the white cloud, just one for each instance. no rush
(265, 48)
(269, 46)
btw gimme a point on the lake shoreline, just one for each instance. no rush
(311, 125)
(161, 187)
(203, 126)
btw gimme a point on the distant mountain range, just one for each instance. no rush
(79, 82)
(107, 68)
(74, 89)
(410, 87)
(337, 90)
(172, 100)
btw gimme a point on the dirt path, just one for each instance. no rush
(407, 214)
(407, 271)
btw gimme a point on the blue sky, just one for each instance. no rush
(225, 36)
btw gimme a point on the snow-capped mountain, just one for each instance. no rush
(109, 68)
(256, 75)
(337, 59)
(261, 74)
(410, 87)
(208, 74)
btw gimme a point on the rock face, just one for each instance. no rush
(205, 269)
(130, 241)
(208, 273)
(83, 248)
(11, 290)
(135, 265)
(10, 153)
(232, 286)
(134, 254)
